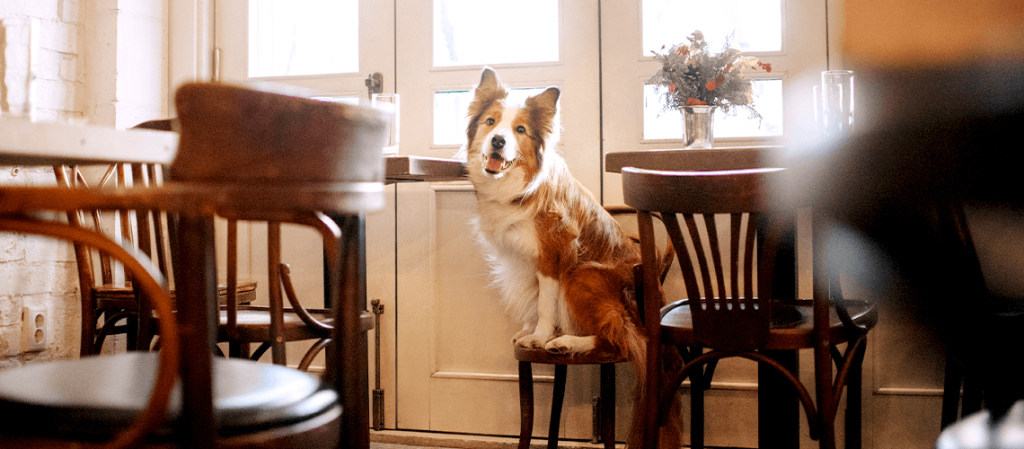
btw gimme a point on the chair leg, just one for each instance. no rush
(556, 406)
(854, 401)
(974, 391)
(525, 404)
(697, 385)
(953, 378)
(133, 334)
(608, 405)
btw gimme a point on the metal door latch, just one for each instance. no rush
(374, 84)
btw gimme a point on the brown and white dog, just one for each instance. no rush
(561, 263)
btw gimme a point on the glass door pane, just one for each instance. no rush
(471, 32)
(303, 37)
(756, 25)
(326, 46)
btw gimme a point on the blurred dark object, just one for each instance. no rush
(932, 142)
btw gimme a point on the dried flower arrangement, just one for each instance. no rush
(690, 75)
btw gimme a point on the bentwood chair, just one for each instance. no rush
(987, 331)
(219, 402)
(730, 310)
(605, 403)
(241, 323)
(107, 299)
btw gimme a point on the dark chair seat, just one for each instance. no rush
(533, 355)
(791, 325)
(254, 324)
(97, 397)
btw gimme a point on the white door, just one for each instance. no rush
(322, 49)
(455, 367)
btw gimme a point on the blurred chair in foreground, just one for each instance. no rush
(225, 166)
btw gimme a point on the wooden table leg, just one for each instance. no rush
(350, 359)
(778, 407)
(195, 277)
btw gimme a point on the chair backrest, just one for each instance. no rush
(144, 229)
(721, 223)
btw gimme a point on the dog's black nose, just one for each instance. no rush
(498, 142)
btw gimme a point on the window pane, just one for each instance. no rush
(667, 124)
(303, 37)
(450, 113)
(757, 24)
(474, 32)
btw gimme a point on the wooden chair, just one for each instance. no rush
(527, 357)
(103, 298)
(223, 402)
(985, 332)
(271, 326)
(241, 323)
(730, 311)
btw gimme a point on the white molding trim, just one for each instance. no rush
(190, 43)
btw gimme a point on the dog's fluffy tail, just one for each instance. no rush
(670, 433)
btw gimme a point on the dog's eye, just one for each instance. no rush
(521, 129)
(490, 121)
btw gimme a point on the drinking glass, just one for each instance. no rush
(837, 102)
(390, 103)
(19, 45)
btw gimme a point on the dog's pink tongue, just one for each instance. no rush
(494, 164)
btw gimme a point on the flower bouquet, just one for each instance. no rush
(690, 75)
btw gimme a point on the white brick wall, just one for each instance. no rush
(104, 61)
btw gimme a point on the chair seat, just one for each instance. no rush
(99, 396)
(254, 324)
(791, 328)
(121, 297)
(533, 355)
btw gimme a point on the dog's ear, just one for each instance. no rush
(547, 100)
(488, 78)
(490, 86)
(543, 107)
(485, 94)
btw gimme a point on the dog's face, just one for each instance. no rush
(507, 140)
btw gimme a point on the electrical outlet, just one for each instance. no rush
(34, 326)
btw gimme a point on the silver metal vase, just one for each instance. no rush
(698, 126)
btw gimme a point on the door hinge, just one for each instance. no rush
(378, 393)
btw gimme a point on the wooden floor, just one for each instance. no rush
(397, 439)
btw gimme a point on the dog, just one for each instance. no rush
(562, 265)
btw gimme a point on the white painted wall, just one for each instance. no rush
(102, 61)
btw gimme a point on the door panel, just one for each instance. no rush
(456, 372)
(301, 247)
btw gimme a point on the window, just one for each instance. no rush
(471, 32)
(756, 29)
(303, 37)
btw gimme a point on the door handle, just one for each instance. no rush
(374, 84)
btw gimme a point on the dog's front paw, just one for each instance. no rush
(558, 346)
(522, 333)
(570, 344)
(531, 341)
